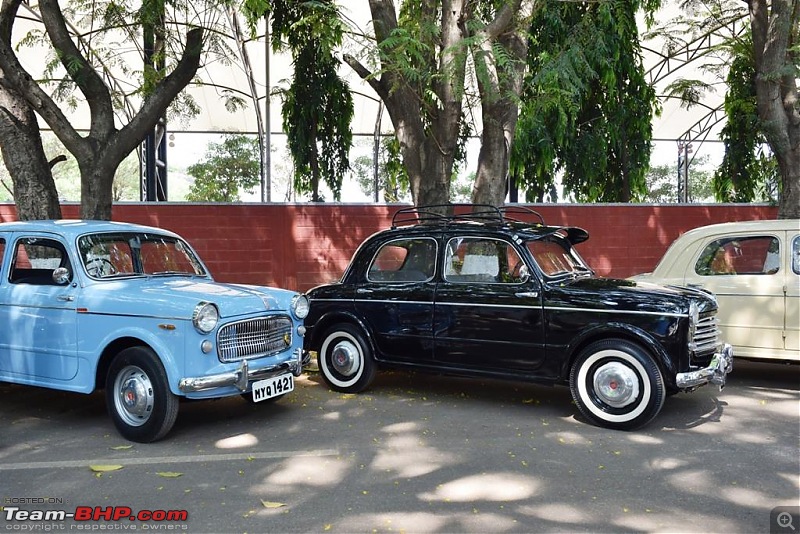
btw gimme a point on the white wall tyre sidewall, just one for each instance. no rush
(324, 363)
(587, 398)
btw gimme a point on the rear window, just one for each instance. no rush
(404, 260)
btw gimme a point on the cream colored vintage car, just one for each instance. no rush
(753, 268)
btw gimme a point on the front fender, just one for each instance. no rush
(168, 344)
(328, 319)
(629, 332)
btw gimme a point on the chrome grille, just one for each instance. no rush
(706, 338)
(254, 338)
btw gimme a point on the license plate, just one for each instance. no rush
(272, 387)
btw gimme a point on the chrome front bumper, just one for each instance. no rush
(243, 376)
(716, 372)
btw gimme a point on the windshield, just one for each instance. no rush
(131, 254)
(555, 257)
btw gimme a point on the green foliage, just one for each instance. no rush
(317, 104)
(228, 167)
(747, 173)
(393, 183)
(317, 113)
(104, 28)
(587, 107)
(662, 182)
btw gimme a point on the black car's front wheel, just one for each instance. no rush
(345, 359)
(138, 396)
(616, 384)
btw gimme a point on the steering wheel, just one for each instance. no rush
(520, 271)
(100, 267)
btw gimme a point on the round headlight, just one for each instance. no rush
(300, 306)
(205, 317)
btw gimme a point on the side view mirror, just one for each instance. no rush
(61, 276)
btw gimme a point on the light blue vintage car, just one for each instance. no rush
(87, 305)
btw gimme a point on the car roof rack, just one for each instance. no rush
(445, 214)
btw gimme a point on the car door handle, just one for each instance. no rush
(528, 294)
(66, 298)
(699, 286)
(363, 291)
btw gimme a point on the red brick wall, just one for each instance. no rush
(297, 246)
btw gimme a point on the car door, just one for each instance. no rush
(39, 338)
(747, 273)
(488, 310)
(395, 298)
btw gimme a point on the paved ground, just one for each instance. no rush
(416, 453)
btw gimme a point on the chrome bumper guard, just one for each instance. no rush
(716, 372)
(243, 376)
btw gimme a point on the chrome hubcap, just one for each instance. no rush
(616, 384)
(134, 399)
(345, 358)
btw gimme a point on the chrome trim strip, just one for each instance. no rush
(473, 304)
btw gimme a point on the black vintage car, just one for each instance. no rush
(485, 294)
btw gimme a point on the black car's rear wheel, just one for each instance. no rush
(617, 385)
(345, 359)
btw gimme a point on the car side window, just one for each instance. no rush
(796, 255)
(752, 255)
(35, 259)
(2, 251)
(404, 260)
(483, 260)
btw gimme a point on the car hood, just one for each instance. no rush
(613, 293)
(177, 297)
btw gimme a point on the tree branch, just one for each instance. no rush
(23, 83)
(84, 76)
(156, 104)
(366, 75)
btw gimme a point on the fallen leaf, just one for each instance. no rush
(169, 474)
(121, 447)
(104, 468)
(271, 504)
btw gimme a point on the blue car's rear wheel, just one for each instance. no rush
(345, 359)
(138, 396)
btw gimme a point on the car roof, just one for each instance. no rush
(75, 227)
(764, 225)
(468, 218)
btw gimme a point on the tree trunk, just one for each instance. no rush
(491, 178)
(500, 89)
(789, 205)
(35, 191)
(97, 190)
(775, 31)
(427, 131)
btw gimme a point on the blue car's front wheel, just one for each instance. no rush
(138, 397)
